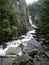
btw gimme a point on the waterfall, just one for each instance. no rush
(30, 21)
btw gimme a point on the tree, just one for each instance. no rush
(8, 29)
(40, 14)
(13, 20)
(44, 20)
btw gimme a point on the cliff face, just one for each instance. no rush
(21, 15)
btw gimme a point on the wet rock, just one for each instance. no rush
(22, 60)
(41, 59)
(6, 60)
(14, 51)
(31, 50)
(47, 54)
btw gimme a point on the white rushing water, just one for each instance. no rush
(16, 43)
(30, 21)
(26, 38)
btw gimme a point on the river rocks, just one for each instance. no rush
(27, 59)
(22, 60)
(6, 60)
(34, 42)
(45, 45)
(47, 53)
(30, 49)
(32, 46)
(41, 60)
(14, 51)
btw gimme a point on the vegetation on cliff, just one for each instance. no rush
(9, 27)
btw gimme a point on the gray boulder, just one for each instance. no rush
(47, 54)
(31, 49)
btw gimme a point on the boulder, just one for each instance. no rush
(47, 54)
(31, 50)
(14, 51)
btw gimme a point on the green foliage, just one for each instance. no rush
(40, 53)
(12, 22)
(40, 11)
(14, 31)
(8, 29)
(44, 18)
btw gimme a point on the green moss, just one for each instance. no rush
(40, 53)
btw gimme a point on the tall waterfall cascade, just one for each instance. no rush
(30, 21)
